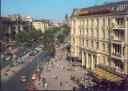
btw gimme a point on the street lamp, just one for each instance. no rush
(38, 66)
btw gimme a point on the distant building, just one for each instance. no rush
(40, 25)
(57, 23)
(99, 35)
(66, 20)
(27, 18)
(27, 23)
(10, 25)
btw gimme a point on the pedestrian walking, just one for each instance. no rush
(45, 85)
(74, 88)
(66, 84)
(61, 84)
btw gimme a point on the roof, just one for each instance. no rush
(5, 19)
(109, 8)
(103, 74)
(41, 20)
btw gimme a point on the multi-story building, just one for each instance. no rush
(40, 25)
(10, 25)
(99, 35)
(27, 23)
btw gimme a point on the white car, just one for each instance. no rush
(23, 79)
(39, 49)
(8, 58)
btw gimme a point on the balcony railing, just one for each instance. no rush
(117, 55)
(117, 39)
(118, 26)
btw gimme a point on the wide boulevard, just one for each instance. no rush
(14, 83)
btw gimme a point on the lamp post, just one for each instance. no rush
(38, 66)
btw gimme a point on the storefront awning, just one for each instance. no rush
(103, 74)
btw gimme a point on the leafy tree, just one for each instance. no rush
(66, 30)
(23, 37)
(60, 38)
(49, 41)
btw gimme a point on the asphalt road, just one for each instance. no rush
(5, 63)
(22, 52)
(14, 82)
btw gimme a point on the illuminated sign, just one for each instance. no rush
(83, 12)
(94, 11)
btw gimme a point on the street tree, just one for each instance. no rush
(49, 41)
(60, 39)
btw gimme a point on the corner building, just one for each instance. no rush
(99, 35)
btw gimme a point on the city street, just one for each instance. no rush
(64, 45)
(14, 82)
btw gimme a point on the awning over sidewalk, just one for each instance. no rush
(103, 74)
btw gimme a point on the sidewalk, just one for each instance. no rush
(8, 72)
(59, 69)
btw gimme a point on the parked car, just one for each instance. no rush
(23, 79)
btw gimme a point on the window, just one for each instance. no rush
(79, 41)
(73, 40)
(97, 22)
(108, 48)
(109, 22)
(92, 44)
(83, 22)
(92, 22)
(87, 23)
(103, 34)
(83, 42)
(83, 32)
(103, 22)
(87, 42)
(97, 32)
(87, 32)
(104, 62)
(80, 31)
(97, 44)
(92, 32)
(103, 46)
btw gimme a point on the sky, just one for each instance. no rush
(47, 9)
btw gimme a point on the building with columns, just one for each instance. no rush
(99, 35)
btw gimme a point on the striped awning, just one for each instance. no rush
(103, 74)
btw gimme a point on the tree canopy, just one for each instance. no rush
(23, 37)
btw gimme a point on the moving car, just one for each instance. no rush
(23, 79)
(8, 58)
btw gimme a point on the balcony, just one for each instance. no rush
(121, 27)
(117, 40)
(116, 56)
